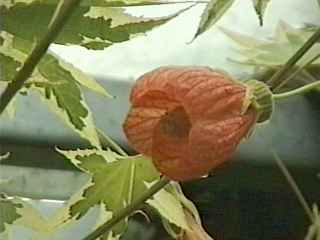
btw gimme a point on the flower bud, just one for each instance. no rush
(189, 120)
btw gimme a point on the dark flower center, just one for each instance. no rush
(176, 123)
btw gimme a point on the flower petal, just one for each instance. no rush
(188, 119)
(170, 148)
(208, 145)
(144, 116)
(214, 142)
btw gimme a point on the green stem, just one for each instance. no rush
(295, 73)
(65, 11)
(298, 91)
(273, 81)
(124, 212)
(294, 187)
(108, 142)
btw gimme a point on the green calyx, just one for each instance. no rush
(259, 96)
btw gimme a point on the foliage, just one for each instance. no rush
(4, 156)
(267, 56)
(116, 181)
(277, 50)
(260, 7)
(215, 9)
(57, 82)
(18, 212)
(94, 25)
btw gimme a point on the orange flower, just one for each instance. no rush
(188, 119)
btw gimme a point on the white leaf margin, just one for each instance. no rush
(168, 207)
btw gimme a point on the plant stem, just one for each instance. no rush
(295, 73)
(106, 141)
(297, 91)
(294, 187)
(65, 11)
(124, 212)
(273, 81)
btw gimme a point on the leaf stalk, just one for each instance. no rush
(298, 91)
(294, 187)
(64, 12)
(273, 81)
(124, 212)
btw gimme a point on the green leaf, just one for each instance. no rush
(212, 13)
(91, 27)
(116, 181)
(82, 78)
(286, 41)
(175, 189)
(9, 67)
(59, 90)
(8, 213)
(179, 215)
(16, 212)
(11, 108)
(169, 207)
(4, 156)
(11, 59)
(10, 62)
(58, 83)
(93, 3)
(267, 56)
(242, 40)
(260, 8)
(195, 229)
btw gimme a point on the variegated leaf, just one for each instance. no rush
(58, 84)
(14, 211)
(116, 181)
(212, 13)
(92, 27)
(260, 8)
